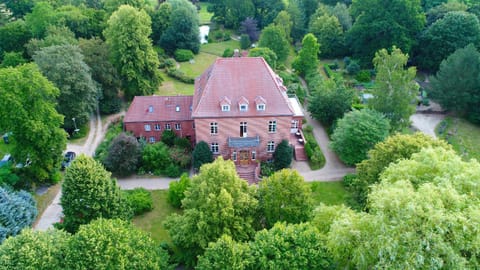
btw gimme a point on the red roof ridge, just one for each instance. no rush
(207, 73)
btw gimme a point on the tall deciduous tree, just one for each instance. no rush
(298, 20)
(330, 101)
(382, 24)
(217, 203)
(42, 16)
(456, 86)
(88, 193)
(423, 215)
(395, 89)
(293, 246)
(307, 59)
(19, 7)
(267, 10)
(41, 250)
(356, 133)
(329, 34)
(225, 254)
(114, 244)
(454, 31)
(136, 63)
(236, 11)
(183, 31)
(13, 36)
(266, 53)
(393, 149)
(32, 98)
(274, 38)
(284, 22)
(284, 196)
(160, 21)
(96, 53)
(64, 66)
(113, 5)
(249, 27)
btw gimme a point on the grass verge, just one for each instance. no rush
(81, 136)
(329, 193)
(203, 15)
(462, 135)
(173, 87)
(202, 62)
(219, 47)
(44, 200)
(152, 222)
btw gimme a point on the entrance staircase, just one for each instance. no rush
(247, 173)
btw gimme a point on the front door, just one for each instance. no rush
(244, 157)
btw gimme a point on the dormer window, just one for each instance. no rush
(243, 107)
(225, 103)
(243, 104)
(150, 109)
(261, 103)
(177, 108)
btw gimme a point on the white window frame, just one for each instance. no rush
(213, 128)
(177, 108)
(150, 109)
(272, 126)
(147, 127)
(243, 107)
(234, 155)
(168, 127)
(261, 107)
(271, 146)
(178, 126)
(214, 148)
(157, 127)
(151, 139)
(295, 124)
(225, 108)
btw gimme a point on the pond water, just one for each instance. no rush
(204, 30)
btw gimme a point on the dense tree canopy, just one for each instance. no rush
(307, 59)
(456, 86)
(217, 203)
(284, 196)
(114, 244)
(330, 101)
(395, 89)
(329, 33)
(382, 24)
(274, 38)
(356, 133)
(423, 215)
(201, 155)
(64, 66)
(136, 63)
(13, 36)
(182, 32)
(33, 97)
(454, 31)
(393, 149)
(39, 250)
(266, 53)
(88, 193)
(225, 253)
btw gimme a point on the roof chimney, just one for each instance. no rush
(236, 53)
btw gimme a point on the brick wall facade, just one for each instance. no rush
(256, 126)
(186, 130)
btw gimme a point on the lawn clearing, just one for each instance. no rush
(172, 87)
(329, 193)
(462, 135)
(152, 222)
(203, 14)
(5, 148)
(218, 47)
(202, 62)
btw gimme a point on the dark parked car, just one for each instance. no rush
(68, 158)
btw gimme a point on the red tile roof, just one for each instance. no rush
(237, 78)
(163, 108)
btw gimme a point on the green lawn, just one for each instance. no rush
(203, 14)
(152, 222)
(329, 193)
(218, 47)
(202, 62)
(462, 135)
(5, 148)
(172, 87)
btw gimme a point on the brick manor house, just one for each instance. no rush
(240, 108)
